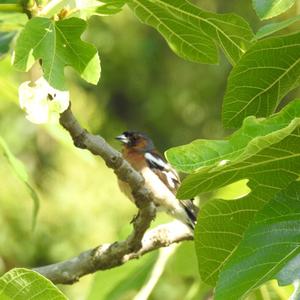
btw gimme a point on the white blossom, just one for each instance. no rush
(42, 102)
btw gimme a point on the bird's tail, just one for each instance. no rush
(191, 211)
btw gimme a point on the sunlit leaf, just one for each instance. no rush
(275, 27)
(263, 76)
(20, 284)
(266, 9)
(57, 44)
(275, 227)
(205, 155)
(229, 31)
(266, 152)
(20, 170)
(186, 41)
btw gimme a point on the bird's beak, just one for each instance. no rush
(122, 138)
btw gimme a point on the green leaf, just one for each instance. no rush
(213, 154)
(20, 170)
(57, 44)
(263, 154)
(263, 76)
(271, 240)
(185, 40)
(229, 31)
(267, 9)
(5, 40)
(220, 228)
(275, 27)
(20, 284)
(266, 152)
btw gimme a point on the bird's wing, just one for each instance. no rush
(171, 179)
(163, 170)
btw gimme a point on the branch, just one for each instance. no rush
(139, 242)
(108, 256)
(124, 171)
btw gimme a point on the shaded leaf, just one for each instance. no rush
(57, 44)
(266, 9)
(276, 226)
(20, 170)
(263, 76)
(20, 284)
(229, 31)
(275, 27)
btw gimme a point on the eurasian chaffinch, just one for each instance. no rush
(160, 178)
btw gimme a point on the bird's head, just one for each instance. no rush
(136, 141)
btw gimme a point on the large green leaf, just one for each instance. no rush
(229, 31)
(271, 240)
(185, 40)
(57, 44)
(221, 223)
(263, 76)
(194, 157)
(266, 152)
(266, 9)
(20, 284)
(20, 170)
(192, 32)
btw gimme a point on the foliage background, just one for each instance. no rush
(144, 86)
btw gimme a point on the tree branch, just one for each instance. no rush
(139, 242)
(124, 171)
(108, 256)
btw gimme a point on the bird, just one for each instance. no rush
(160, 178)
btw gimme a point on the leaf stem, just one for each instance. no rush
(11, 8)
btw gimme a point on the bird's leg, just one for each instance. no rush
(134, 218)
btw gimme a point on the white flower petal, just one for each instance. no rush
(41, 101)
